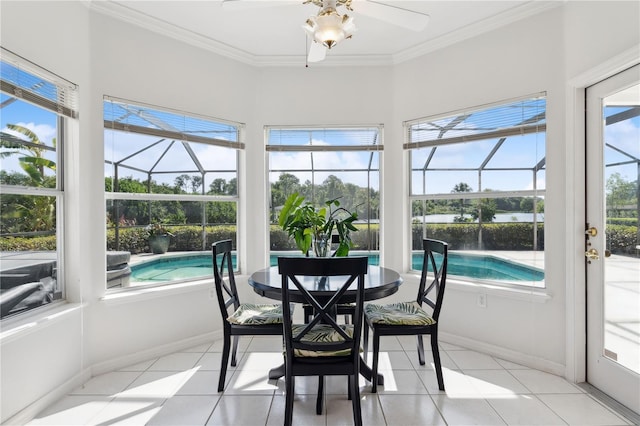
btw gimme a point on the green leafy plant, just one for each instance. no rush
(154, 229)
(302, 221)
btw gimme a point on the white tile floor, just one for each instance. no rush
(180, 389)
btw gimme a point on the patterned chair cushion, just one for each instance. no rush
(403, 313)
(250, 314)
(321, 333)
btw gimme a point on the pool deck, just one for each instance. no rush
(146, 257)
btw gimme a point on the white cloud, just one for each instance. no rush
(624, 135)
(45, 132)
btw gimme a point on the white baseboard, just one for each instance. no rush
(126, 360)
(28, 413)
(503, 353)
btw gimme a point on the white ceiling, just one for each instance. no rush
(273, 35)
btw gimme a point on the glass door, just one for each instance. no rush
(612, 241)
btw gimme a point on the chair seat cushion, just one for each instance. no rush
(403, 313)
(250, 314)
(321, 333)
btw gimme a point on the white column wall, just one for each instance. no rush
(314, 96)
(105, 56)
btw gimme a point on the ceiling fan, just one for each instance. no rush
(328, 27)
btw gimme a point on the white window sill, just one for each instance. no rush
(23, 324)
(135, 294)
(526, 293)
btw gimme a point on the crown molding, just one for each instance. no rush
(473, 30)
(131, 16)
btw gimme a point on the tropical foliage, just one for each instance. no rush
(31, 151)
(305, 223)
(154, 229)
(27, 213)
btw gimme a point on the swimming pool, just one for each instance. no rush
(480, 266)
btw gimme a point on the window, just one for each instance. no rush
(171, 185)
(36, 106)
(323, 164)
(477, 181)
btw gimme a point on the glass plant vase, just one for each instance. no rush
(322, 245)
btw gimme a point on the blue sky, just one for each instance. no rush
(38, 120)
(625, 134)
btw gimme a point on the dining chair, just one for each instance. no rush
(322, 347)
(238, 319)
(411, 318)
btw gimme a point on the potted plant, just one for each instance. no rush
(158, 238)
(310, 226)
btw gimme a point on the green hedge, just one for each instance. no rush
(185, 238)
(621, 239)
(495, 236)
(47, 243)
(626, 221)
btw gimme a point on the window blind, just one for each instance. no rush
(20, 79)
(515, 117)
(337, 138)
(154, 121)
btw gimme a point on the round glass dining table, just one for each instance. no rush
(379, 282)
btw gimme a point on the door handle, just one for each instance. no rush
(592, 254)
(591, 232)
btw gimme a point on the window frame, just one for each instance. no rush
(34, 85)
(184, 137)
(377, 146)
(535, 193)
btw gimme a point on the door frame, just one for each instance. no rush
(575, 150)
(605, 374)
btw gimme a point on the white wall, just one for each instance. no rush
(105, 56)
(311, 96)
(43, 352)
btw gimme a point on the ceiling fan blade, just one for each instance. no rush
(317, 52)
(405, 18)
(254, 4)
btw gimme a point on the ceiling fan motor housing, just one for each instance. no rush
(329, 27)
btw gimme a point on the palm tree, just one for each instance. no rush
(32, 161)
(460, 187)
(35, 213)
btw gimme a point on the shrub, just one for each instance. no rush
(184, 238)
(622, 239)
(626, 221)
(47, 243)
(495, 236)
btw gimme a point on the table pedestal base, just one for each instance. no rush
(365, 371)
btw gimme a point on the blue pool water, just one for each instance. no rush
(480, 266)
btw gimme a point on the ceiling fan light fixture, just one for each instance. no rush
(329, 28)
